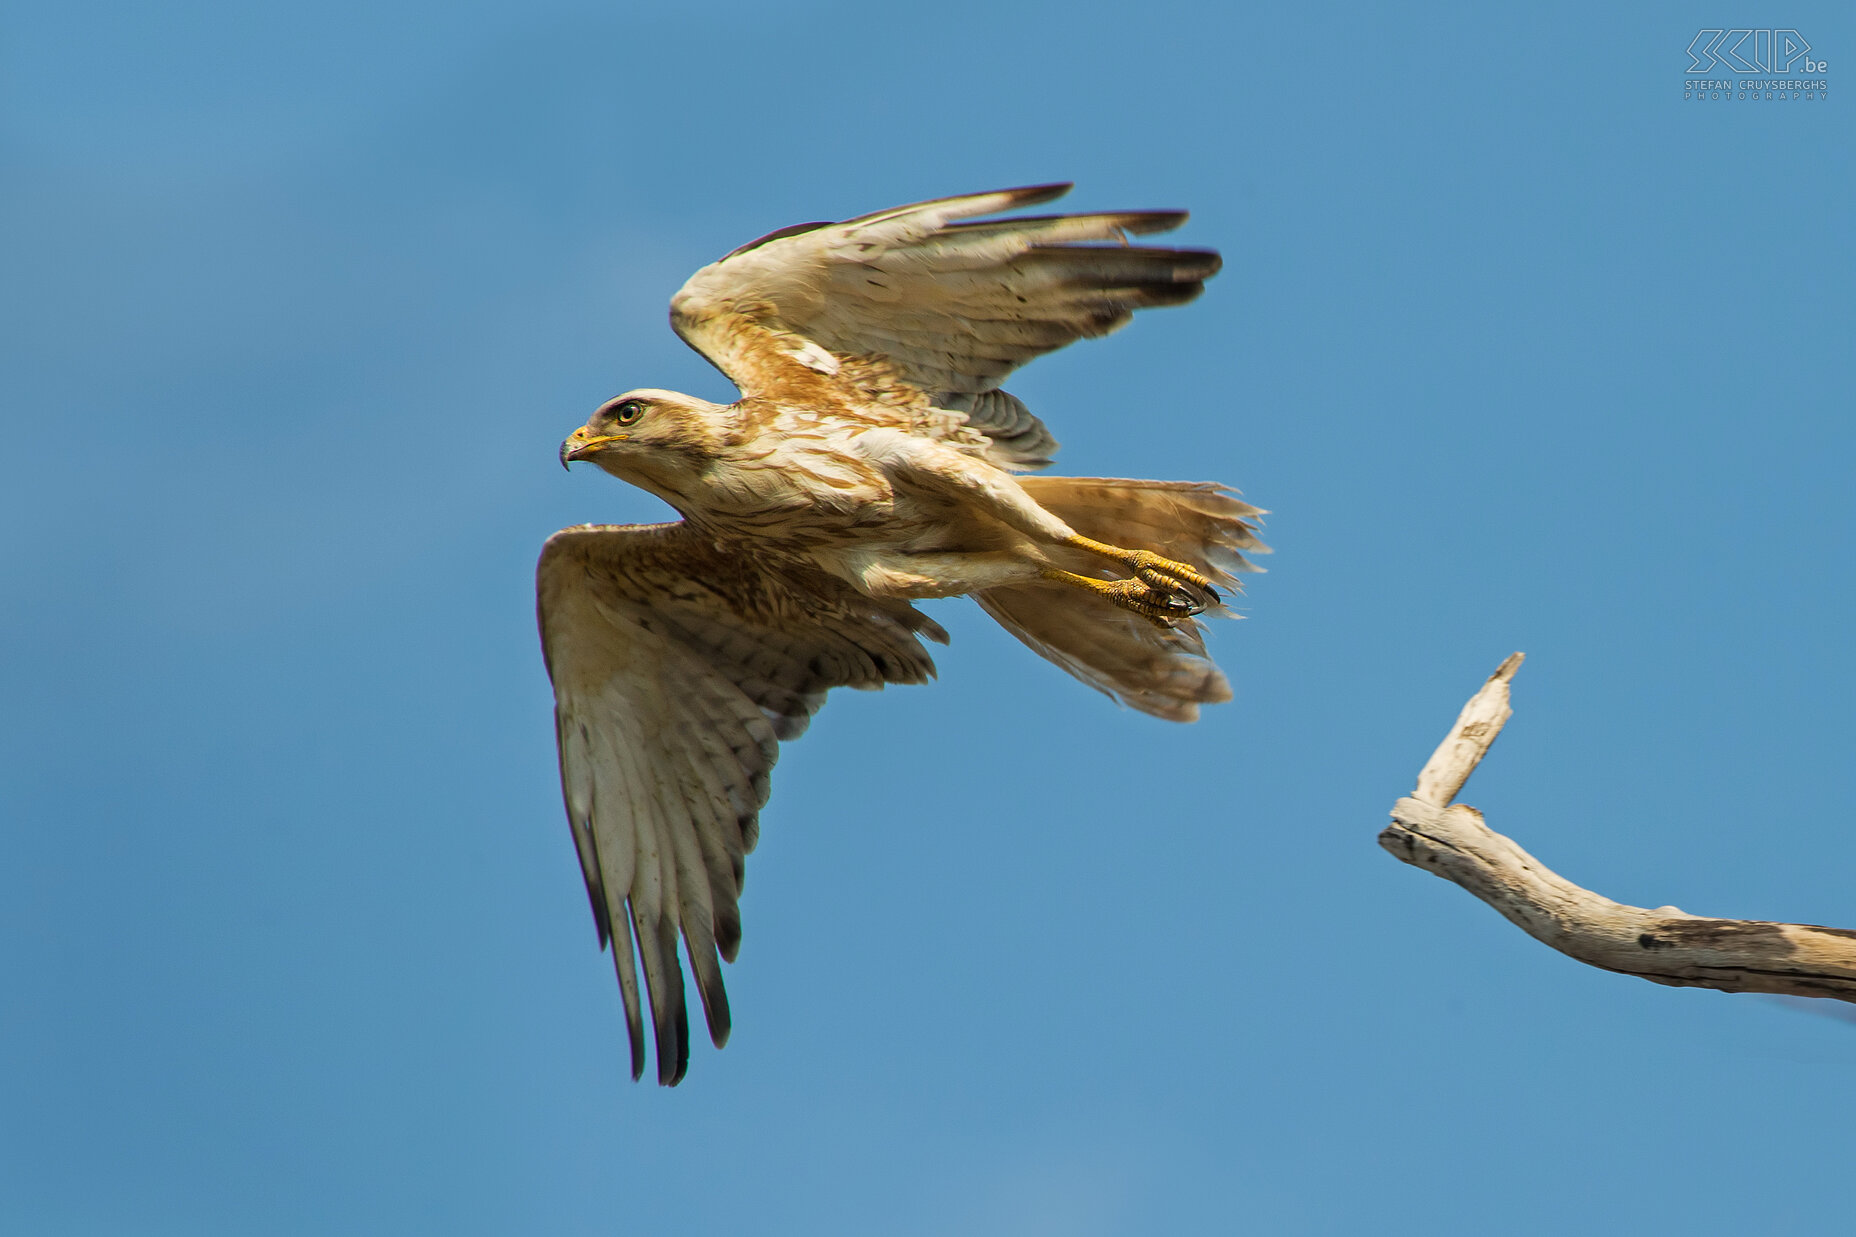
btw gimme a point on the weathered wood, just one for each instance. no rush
(1468, 741)
(1664, 946)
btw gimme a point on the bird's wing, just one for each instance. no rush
(933, 298)
(678, 667)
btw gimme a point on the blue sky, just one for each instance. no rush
(1521, 350)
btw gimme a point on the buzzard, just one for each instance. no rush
(871, 460)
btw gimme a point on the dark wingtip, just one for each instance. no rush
(635, 1032)
(709, 985)
(671, 1015)
(720, 1023)
(795, 229)
(602, 920)
(1148, 222)
(728, 933)
(1031, 195)
(673, 1059)
(628, 992)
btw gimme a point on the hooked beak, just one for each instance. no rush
(580, 445)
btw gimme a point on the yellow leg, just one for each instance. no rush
(1162, 575)
(1163, 607)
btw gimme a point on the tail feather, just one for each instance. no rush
(1161, 671)
(1122, 655)
(1198, 523)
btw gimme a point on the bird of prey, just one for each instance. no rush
(871, 460)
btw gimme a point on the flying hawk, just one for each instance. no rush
(870, 461)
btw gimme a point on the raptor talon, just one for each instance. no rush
(1197, 589)
(1163, 607)
(1161, 574)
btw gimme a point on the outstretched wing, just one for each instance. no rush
(948, 308)
(678, 667)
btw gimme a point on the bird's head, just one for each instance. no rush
(648, 436)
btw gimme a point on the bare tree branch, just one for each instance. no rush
(1664, 946)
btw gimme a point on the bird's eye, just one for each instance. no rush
(628, 412)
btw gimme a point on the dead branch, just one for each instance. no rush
(1664, 946)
